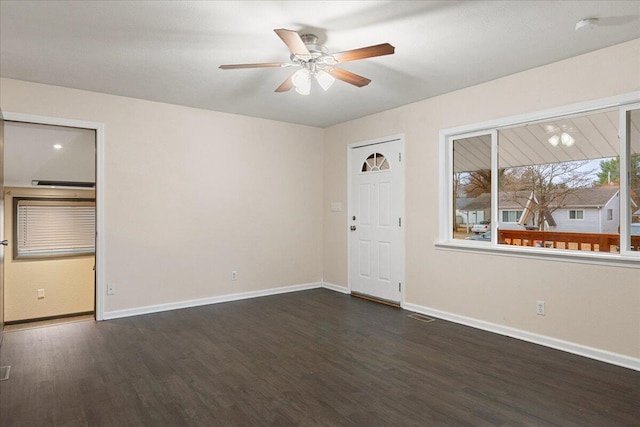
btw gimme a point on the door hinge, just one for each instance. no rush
(399, 157)
(399, 287)
(399, 221)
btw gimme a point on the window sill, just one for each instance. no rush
(52, 256)
(558, 255)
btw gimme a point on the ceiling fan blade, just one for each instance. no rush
(294, 43)
(261, 65)
(286, 85)
(349, 77)
(365, 52)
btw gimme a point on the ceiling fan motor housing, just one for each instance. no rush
(319, 53)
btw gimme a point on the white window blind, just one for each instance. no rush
(55, 227)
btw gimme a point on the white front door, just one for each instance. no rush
(376, 199)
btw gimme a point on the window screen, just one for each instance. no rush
(46, 227)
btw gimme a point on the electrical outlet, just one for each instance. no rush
(40, 293)
(234, 275)
(540, 308)
(111, 289)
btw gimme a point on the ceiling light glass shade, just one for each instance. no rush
(554, 140)
(325, 80)
(301, 80)
(567, 140)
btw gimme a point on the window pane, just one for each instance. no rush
(375, 163)
(511, 216)
(633, 131)
(46, 227)
(562, 175)
(472, 188)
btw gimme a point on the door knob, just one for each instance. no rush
(4, 243)
(353, 228)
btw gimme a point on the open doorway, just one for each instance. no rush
(50, 221)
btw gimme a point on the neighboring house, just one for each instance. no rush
(462, 218)
(590, 210)
(586, 210)
(477, 209)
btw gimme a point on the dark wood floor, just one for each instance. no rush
(307, 358)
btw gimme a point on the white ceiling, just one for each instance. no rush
(170, 51)
(29, 154)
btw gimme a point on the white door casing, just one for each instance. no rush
(100, 288)
(2, 227)
(376, 208)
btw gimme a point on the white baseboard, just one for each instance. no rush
(206, 301)
(569, 347)
(336, 288)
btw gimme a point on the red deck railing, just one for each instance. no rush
(594, 242)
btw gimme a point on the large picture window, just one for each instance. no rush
(53, 227)
(555, 184)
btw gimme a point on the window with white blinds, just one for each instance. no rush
(46, 227)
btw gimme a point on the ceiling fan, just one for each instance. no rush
(316, 62)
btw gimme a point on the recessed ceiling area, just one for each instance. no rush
(170, 51)
(31, 153)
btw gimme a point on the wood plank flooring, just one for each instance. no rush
(306, 358)
(48, 322)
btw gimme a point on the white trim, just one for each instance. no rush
(390, 138)
(569, 347)
(207, 301)
(625, 157)
(533, 253)
(100, 186)
(495, 188)
(336, 288)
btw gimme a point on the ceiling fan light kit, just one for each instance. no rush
(301, 80)
(324, 79)
(316, 63)
(566, 139)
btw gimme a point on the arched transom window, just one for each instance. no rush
(375, 163)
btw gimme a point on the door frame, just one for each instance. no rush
(377, 141)
(100, 185)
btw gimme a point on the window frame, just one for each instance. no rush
(44, 256)
(624, 103)
(516, 211)
(576, 216)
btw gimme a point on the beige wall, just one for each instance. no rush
(191, 195)
(68, 282)
(592, 305)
